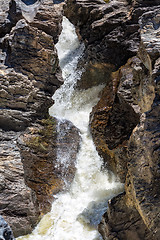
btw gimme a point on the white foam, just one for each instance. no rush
(76, 214)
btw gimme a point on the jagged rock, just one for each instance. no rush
(48, 153)
(117, 113)
(5, 230)
(49, 19)
(111, 33)
(95, 74)
(31, 52)
(32, 77)
(106, 28)
(21, 101)
(17, 201)
(9, 15)
(135, 214)
(123, 222)
(29, 75)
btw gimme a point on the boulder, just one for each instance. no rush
(5, 230)
(17, 201)
(122, 222)
(48, 150)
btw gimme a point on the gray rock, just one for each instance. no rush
(29, 75)
(5, 230)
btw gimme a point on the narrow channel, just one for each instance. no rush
(75, 214)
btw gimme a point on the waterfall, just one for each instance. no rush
(75, 214)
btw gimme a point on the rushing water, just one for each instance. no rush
(76, 213)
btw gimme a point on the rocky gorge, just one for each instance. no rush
(122, 40)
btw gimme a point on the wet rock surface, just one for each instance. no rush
(125, 129)
(107, 29)
(5, 230)
(125, 122)
(29, 75)
(122, 50)
(48, 152)
(17, 201)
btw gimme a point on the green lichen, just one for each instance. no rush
(44, 136)
(107, 1)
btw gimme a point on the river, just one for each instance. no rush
(76, 213)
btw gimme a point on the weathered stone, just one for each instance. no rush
(33, 76)
(95, 74)
(139, 86)
(5, 230)
(117, 113)
(29, 75)
(106, 28)
(49, 158)
(17, 201)
(123, 222)
(31, 52)
(49, 18)
(10, 13)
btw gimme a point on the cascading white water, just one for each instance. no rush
(76, 213)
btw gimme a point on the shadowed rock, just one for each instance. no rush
(5, 230)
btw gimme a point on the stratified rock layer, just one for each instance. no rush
(16, 199)
(29, 75)
(129, 139)
(48, 150)
(125, 122)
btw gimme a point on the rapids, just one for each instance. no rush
(76, 213)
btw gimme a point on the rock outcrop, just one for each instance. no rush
(29, 75)
(132, 150)
(5, 231)
(122, 37)
(48, 151)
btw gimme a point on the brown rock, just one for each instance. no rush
(17, 201)
(49, 18)
(106, 28)
(122, 222)
(141, 184)
(49, 158)
(29, 75)
(31, 52)
(115, 116)
(95, 74)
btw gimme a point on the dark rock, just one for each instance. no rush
(34, 75)
(17, 201)
(135, 214)
(31, 52)
(95, 74)
(10, 13)
(5, 230)
(49, 19)
(21, 101)
(29, 75)
(106, 28)
(123, 222)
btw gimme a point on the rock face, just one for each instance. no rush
(123, 36)
(5, 231)
(48, 150)
(16, 199)
(130, 137)
(29, 75)
(109, 33)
